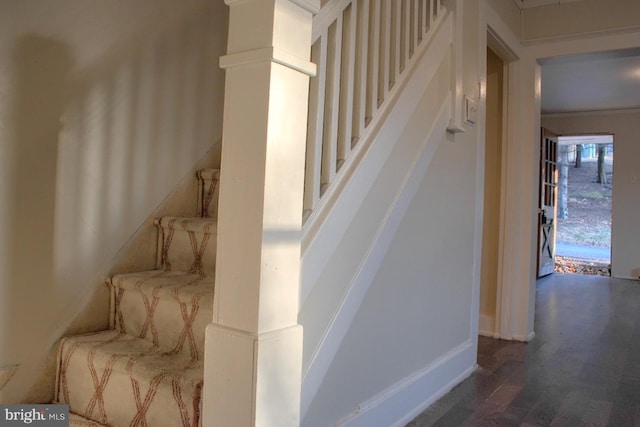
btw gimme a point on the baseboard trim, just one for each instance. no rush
(403, 401)
(626, 278)
(525, 338)
(486, 326)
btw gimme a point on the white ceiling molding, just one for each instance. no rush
(589, 113)
(585, 139)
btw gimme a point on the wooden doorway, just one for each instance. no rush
(494, 155)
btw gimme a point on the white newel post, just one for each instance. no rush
(253, 356)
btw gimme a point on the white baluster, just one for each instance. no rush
(385, 56)
(373, 60)
(347, 82)
(360, 92)
(415, 29)
(331, 104)
(406, 40)
(431, 16)
(316, 124)
(397, 38)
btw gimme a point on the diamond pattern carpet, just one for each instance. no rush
(147, 370)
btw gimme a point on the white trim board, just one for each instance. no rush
(514, 309)
(486, 326)
(590, 113)
(401, 402)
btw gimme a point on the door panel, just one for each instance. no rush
(547, 202)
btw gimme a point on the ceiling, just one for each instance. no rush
(588, 82)
(591, 82)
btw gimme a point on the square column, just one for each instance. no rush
(253, 356)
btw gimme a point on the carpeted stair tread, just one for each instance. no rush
(170, 309)
(121, 380)
(198, 225)
(188, 244)
(76, 420)
(147, 370)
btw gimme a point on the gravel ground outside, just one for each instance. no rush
(589, 219)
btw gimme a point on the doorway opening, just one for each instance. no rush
(496, 91)
(585, 184)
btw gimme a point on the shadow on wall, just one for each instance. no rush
(42, 68)
(95, 151)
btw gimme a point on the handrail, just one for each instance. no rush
(361, 48)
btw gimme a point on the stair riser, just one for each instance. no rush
(181, 248)
(208, 190)
(171, 336)
(115, 386)
(171, 312)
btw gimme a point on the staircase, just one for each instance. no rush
(148, 368)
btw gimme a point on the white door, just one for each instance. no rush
(547, 202)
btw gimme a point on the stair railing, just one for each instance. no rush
(361, 48)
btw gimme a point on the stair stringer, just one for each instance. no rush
(326, 309)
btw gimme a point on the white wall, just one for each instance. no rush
(414, 334)
(579, 18)
(509, 13)
(418, 305)
(104, 107)
(625, 232)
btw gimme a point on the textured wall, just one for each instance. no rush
(104, 107)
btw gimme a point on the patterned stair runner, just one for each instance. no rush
(186, 243)
(208, 192)
(147, 370)
(177, 304)
(120, 380)
(76, 420)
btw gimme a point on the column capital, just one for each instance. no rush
(283, 25)
(268, 54)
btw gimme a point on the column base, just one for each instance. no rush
(252, 379)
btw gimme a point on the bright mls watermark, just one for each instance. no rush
(36, 415)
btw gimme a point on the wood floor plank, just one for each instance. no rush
(504, 395)
(457, 417)
(581, 369)
(573, 406)
(597, 413)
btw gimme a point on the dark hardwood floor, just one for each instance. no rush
(581, 369)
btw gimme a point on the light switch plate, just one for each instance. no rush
(470, 111)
